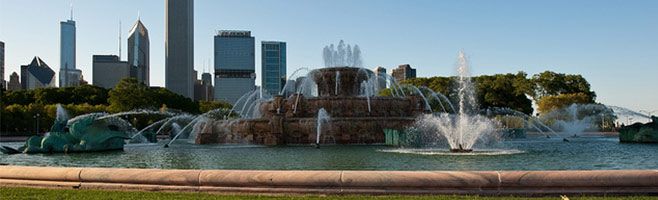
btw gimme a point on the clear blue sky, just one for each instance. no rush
(614, 44)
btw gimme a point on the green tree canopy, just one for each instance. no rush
(550, 103)
(504, 91)
(549, 83)
(88, 94)
(499, 90)
(129, 94)
(205, 106)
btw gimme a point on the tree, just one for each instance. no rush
(22, 97)
(129, 94)
(549, 83)
(205, 106)
(89, 94)
(163, 96)
(499, 90)
(550, 103)
(504, 91)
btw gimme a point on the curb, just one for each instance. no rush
(526, 183)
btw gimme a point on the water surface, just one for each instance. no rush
(529, 154)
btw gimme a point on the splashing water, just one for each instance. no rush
(62, 114)
(464, 129)
(323, 118)
(341, 55)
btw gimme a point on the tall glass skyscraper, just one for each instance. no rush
(179, 47)
(235, 72)
(273, 66)
(68, 74)
(138, 52)
(3, 83)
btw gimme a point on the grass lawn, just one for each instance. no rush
(32, 193)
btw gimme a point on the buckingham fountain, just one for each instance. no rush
(331, 105)
(339, 104)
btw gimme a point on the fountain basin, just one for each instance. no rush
(461, 150)
(339, 81)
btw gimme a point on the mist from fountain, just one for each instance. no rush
(531, 121)
(342, 55)
(577, 118)
(627, 114)
(138, 112)
(323, 118)
(574, 125)
(440, 98)
(290, 86)
(466, 128)
(337, 83)
(61, 113)
(217, 114)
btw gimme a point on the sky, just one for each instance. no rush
(612, 43)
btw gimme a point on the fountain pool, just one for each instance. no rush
(533, 153)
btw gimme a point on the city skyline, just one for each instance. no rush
(612, 44)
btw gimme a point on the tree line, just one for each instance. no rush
(20, 108)
(549, 89)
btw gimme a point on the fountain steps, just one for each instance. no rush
(504, 183)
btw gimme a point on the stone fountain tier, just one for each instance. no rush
(349, 80)
(354, 119)
(298, 106)
(279, 131)
(350, 122)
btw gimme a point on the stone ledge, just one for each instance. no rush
(337, 182)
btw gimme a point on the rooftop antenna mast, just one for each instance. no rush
(71, 10)
(119, 39)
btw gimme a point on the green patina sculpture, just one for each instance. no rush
(640, 133)
(84, 135)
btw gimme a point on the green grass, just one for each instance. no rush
(11, 193)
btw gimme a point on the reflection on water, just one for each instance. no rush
(526, 154)
(445, 152)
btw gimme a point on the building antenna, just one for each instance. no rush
(119, 39)
(71, 10)
(138, 15)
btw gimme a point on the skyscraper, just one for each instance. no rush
(381, 77)
(203, 90)
(273, 66)
(37, 74)
(138, 52)
(234, 64)
(68, 74)
(14, 83)
(404, 72)
(206, 78)
(3, 84)
(179, 46)
(108, 70)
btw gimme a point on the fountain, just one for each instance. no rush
(573, 120)
(92, 132)
(358, 117)
(323, 118)
(463, 129)
(342, 90)
(84, 134)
